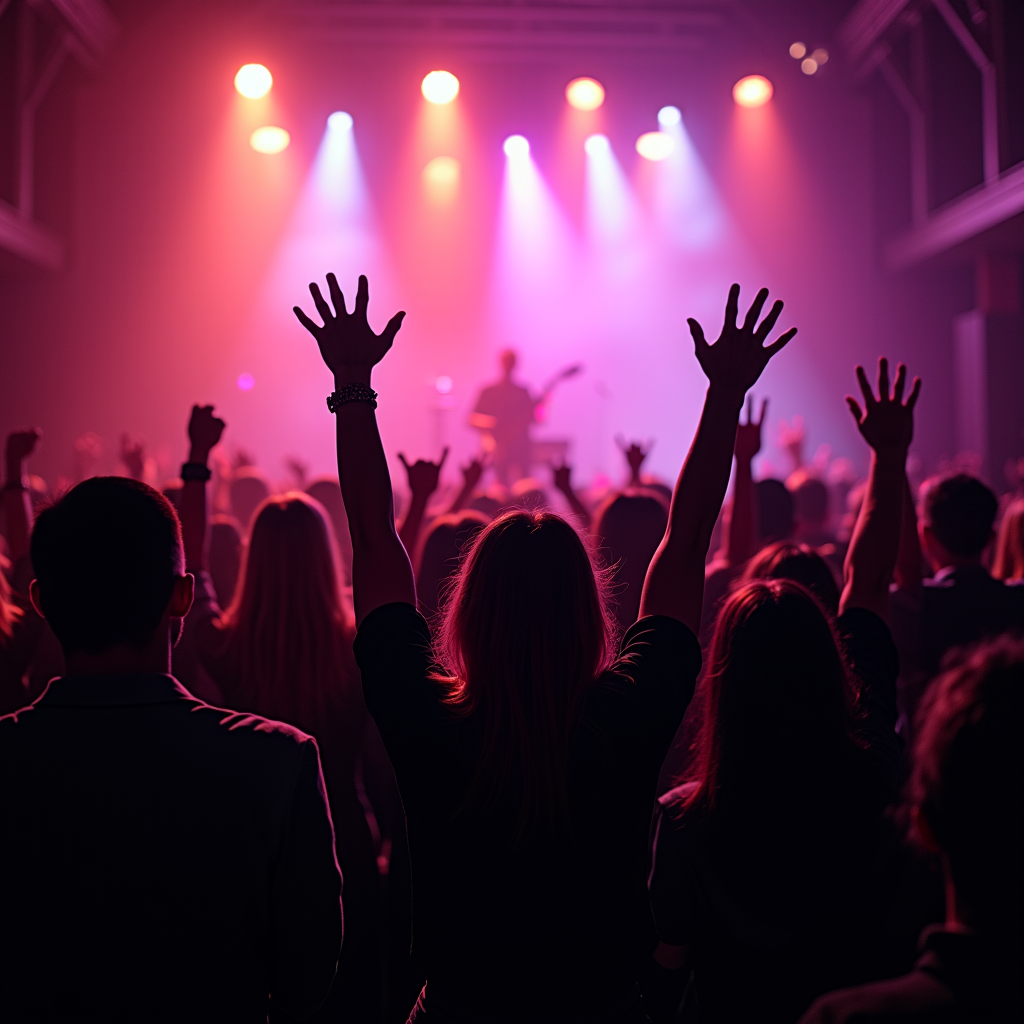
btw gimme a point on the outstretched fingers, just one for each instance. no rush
(855, 408)
(732, 306)
(770, 320)
(444, 455)
(336, 296)
(321, 303)
(362, 297)
(865, 388)
(750, 321)
(915, 390)
(884, 394)
(401, 458)
(391, 328)
(700, 343)
(764, 412)
(780, 343)
(310, 326)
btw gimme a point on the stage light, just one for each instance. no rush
(669, 117)
(440, 87)
(797, 51)
(516, 147)
(442, 170)
(584, 93)
(340, 121)
(655, 145)
(253, 81)
(752, 91)
(443, 384)
(809, 66)
(269, 139)
(594, 145)
(246, 382)
(821, 56)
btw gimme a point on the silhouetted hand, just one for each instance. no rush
(423, 475)
(133, 455)
(635, 454)
(472, 472)
(204, 431)
(348, 345)
(792, 437)
(21, 444)
(563, 477)
(734, 363)
(748, 435)
(886, 421)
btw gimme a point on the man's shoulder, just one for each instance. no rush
(245, 730)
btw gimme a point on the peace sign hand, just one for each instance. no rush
(348, 345)
(734, 363)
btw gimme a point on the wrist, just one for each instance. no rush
(352, 375)
(727, 397)
(198, 456)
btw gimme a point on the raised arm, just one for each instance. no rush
(204, 431)
(423, 480)
(17, 507)
(887, 424)
(471, 474)
(741, 537)
(675, 579)
(563, 481)
(634, 454)
(910, 560)
(381, 571)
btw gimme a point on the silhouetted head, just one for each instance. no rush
(327, 491)
(525, 634)
(287, 630)
(967, 781)
(629, 527)
(528, 493)
(1009, 560)
(249, 488)
(508, 359)
(958, 511)
(443, 544)
(799, 563)
(779, 700)
(106, 556)
(774, 511)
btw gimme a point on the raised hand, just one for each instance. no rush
(423, 475)
(348, 345)
(21, 444)
(204, 431)
(472, 472)
(886, 421)
(792, 437)
(734, 363)
(635, 454)
(562, 477)
(133, 455)
(748, 435)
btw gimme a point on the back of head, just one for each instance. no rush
(106, 555)
(774, 511)
(287, 629)
(629, 528)
(249, 489)
(445, 540)
(968, 777)
(799, 563)
(960, 511)
(1009, 560)
(525, 635)
(327, 491)
(810, 501)
(225, 557)
(779, 701)
(528, 493)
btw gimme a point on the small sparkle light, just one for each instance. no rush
(821, 56)
(269, 139)
(585, 93)
(752, 91)
(246, 382)
(808, 66)
(797, 51)
(669, 117)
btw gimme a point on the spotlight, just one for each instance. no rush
(669, 117)
(752, 91)
(440, 87)
(516, 147)
(820, 55)
(595, 145)
(339, 121)
(269, 139)
(655, 145)
(253, 81)
(443, 384)
(584, 93)
(808, 66)
(246, 382)
(797, 51)
(442, 170)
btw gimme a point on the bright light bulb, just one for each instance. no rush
(797, 51)
(752, 91)
(516, 147)
(253, 81)
(809, 66)
(269, 139)
(655, 145)
(440, 87)
(584, 93)
(669, 117)
(595, 145)
(340, 121)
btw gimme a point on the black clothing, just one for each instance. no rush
(774, 900)
(960, 979)
(161, 859)
(541, 928)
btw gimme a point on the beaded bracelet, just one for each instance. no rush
(351, 393)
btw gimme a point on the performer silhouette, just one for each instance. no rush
(504, 413)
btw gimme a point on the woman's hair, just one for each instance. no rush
(779, 700)
(629, 527)
(443, 545)
(1009, 561)
(287, 633)
(524, 636)
(784, 560)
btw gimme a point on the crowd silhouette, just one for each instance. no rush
(278, 754)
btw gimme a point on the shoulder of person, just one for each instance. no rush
(248, 732)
